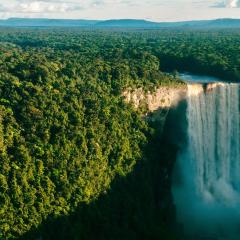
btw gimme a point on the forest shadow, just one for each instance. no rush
(138, 206)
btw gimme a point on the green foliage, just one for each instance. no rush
(213, 52)
(63, 135)
(65, 131)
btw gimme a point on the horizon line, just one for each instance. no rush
(117, 19)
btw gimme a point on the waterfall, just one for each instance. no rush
(208, 195)
(213, 145)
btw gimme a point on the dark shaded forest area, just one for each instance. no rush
(76, 161)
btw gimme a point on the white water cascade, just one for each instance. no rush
(207, 184)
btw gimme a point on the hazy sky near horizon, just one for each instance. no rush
(156, 10)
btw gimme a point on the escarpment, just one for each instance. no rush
(162, 97)
(156, 104)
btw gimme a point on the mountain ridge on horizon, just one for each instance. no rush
(117, 23)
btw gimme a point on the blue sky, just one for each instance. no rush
(157, 10)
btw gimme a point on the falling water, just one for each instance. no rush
(207, 192)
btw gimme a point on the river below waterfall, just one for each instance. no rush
(206, 186)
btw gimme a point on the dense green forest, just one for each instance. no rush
(74, 157)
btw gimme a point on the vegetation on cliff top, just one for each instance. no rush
(66, 133)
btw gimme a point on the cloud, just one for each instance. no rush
(227, 4)
(68, 6)
(221, 4)
(112, 2)
(3, 8)
(160, 10)
(39, 6)
(57, 6)
(42, 6)
(233, 3)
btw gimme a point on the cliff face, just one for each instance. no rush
(165, 110)
(161, 98)
(156, 103)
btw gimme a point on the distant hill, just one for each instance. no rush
(224, 23)
(44, 22)
(121, 23)
(133, 23)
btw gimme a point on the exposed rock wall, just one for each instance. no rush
(162, 98)
(157, 103)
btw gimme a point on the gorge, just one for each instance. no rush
(203, 119)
